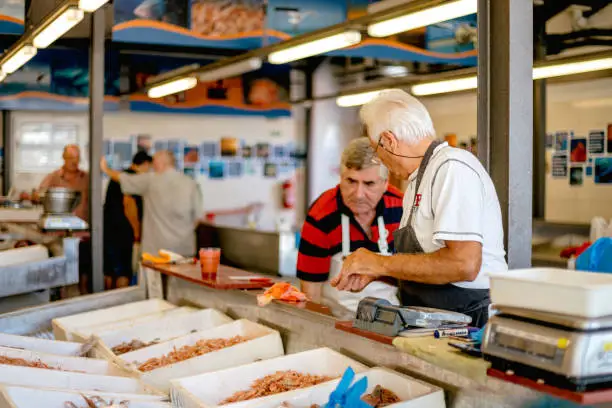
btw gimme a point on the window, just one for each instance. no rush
(40, 145)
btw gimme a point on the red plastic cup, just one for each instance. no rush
(209, 262)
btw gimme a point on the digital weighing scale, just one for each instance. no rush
(62, 222)
(380, 316)
(563, 351)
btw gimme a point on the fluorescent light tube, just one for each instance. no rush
(423, 18)
(316, 47)
(91, 5)
(18, 59)
(2, 76)
(232, 70)
(451, 85)
(592, 103)
(357, 99)
(58, 27)
(169, 88)
(570, 68)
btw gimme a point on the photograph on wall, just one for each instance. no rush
(247, 151)
(209, 149)
(251, 167)
(279, 151)
(235, 168)
(561, 141)
(12, 13)
(216, 169)
(191, 155)
(220, 18)
(270, 170)
(576, 176)
(603, 170)
(144, 143)
(610, 138)
(160, 145)
(175, 12)
(263, 150)
(268, 86)
(549, 140)
(588, 171)
(596, 142)
(229, 146)
(559, 165)
(578, 153)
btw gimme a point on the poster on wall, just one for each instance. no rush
(603, 170)
(270, 170)
(549, 143)
(229, 146)
(596, 142)
(588, 171)
(559, 165)
(216, 169)
(12, 15)
(235, 168)
(209, 149)
(191, 156)
(561, 141)
(576, 176)
(578, 152)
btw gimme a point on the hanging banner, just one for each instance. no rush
(258, 93)
(12, 14)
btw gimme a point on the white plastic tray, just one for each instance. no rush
(74, 364)
(412, 392)
(64, 326)
(208, 390)
(24, 397)
(63, 348)
(84, 333)
(265, 344)
(62, 380)
(583, 294)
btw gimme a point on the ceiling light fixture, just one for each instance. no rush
(315, 47)
(450, 85)
(423, 18)
(91, 5)
(231, 70)
(571, 68)
(18, 59)
(58, 27)
(357, 99)
(172, 87)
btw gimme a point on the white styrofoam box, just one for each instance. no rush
(32, 253)
(413, 393)
(64, 326)
(167, 328)
(84, 333)
(266, 343)
(574, 293)
(62, 348)
(64, 380)
(209, 389)
(24, 397)
(76, 364)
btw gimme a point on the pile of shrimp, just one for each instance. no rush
(24, 363)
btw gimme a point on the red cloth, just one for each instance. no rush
(574, 251)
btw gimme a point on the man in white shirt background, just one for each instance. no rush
(451, 232)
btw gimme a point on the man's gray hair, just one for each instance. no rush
(400, 113)
(359, 155)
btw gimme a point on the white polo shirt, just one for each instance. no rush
(458, 202)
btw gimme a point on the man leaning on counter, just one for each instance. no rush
(451, 231)
(361, 212)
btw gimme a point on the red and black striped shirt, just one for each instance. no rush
(322, 231)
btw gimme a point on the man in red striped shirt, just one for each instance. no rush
(361, 212)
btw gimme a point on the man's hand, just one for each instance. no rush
(104, 165)
(358, 270)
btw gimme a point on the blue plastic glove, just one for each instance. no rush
(597, 257)
(552, 402)
(347, 396)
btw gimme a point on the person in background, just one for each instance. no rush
(71, 176)
(172, 202)
(122, 227)
(451, 233)
(361, 212)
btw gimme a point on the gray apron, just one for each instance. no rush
(472, 302)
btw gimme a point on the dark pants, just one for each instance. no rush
(118, 259)
(85, 267)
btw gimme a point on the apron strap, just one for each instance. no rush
(421, 172)
(346, 235)
(383, 233)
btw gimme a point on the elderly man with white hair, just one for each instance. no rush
(451, 231)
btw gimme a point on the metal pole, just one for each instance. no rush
(509, 107)
(539, 129)
(483, 112)
(8, 142)
(96, 115)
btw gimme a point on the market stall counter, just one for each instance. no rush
(306, 326)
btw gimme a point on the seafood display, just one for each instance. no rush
(223, 17)
(97, 402)
(380, 397)
(281, 381)
(133, 345)
(186, 352)
(24, 363)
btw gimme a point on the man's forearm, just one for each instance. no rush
(314, 290)
(112, 174)
(439, 268)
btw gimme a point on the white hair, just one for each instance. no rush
(400, 113)
(359, 155)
